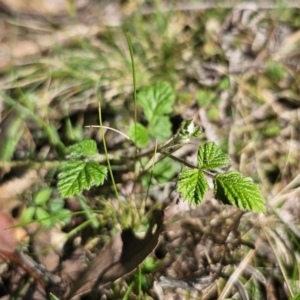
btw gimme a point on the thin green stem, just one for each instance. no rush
(128, 292)
(140, 281)
(151, 175)
(129, 42)
(106, 153)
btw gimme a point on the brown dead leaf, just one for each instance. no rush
(7, 236)
(11, 190)
(47, 245)
(9, 240)
(10, 237)
(119, 257)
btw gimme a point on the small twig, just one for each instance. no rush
(110, 128)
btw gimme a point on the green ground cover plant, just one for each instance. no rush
(81, 171)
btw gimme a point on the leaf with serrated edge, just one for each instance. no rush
(138, 134)
(235, 189)
(210, 157)
(77, 175)
(86, 147)
(161, 128)
(156, 99)
(193, 186)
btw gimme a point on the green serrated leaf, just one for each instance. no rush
(42, 196)
(193, 186)
(188, 131)
(139, 135)
(235, 189)
(187, 127)
(160, 128)
(156, 100)
(86, 147)
(210, 157)
(197, 132)
(78, 175)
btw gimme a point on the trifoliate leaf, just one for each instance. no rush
(78, 175)
(160, 128)
(86, 147)
(156, 100)
(193, 186)
(139, 135)
(237, 190)
(210, 157)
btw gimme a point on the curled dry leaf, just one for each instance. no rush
(119, 257)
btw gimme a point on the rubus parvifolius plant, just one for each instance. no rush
(82, 169)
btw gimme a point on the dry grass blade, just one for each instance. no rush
(235, 275)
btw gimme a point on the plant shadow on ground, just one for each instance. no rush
(234, 71)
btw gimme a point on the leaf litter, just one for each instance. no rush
(244, 57)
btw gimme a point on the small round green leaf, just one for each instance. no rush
(43, 216)
(64, 215)
(55, 205)
(27, 214)
(42, 196)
